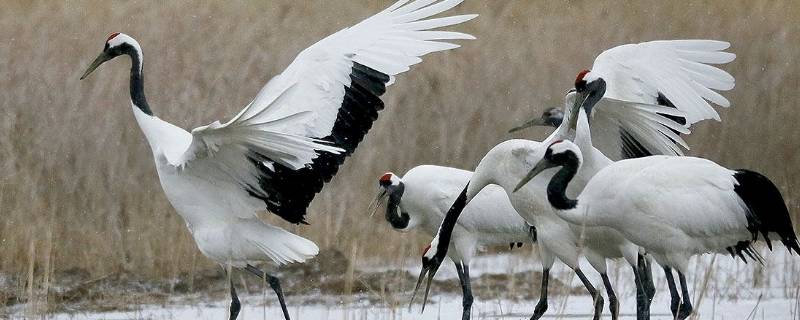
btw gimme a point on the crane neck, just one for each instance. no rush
(137, 81)
(557, 188)
(449, 223)
(568, 209)
(394, 214)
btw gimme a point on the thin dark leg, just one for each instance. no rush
(613, 303)
(646, 272)
(596, 297)
(541, 306)
(642, 307)
(274, 283)
(236, 306)
(673, 292)
(466, 302)
(686, 305)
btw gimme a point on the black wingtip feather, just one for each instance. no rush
(632, 148)
(287, 192)
(767, 211)
(663, 101)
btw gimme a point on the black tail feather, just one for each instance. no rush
(743, 248)
(767, 211)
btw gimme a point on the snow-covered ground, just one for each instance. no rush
(449, 307)
(722, 288)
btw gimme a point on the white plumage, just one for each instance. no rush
(420, 199)
(428, 192)
(678, 69)
(673, 207)
(311, 88)
(628, 95)
(283, 146)
(673, 73)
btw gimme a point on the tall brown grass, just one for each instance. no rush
(78, 189)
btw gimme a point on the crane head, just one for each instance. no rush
(116, 44)
(589, 89)
(431, 260)
(579, 80)
(392, 187)
(558, 154)
(388, 179)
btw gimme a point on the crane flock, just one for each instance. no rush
(610, 176)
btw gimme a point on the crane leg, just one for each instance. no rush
(613, 303)
(541, 306)
(274, 283)
(686, 304)
(642, 307)
(646, 272)
(466, 302)
(236, 306)
(673, 292)
(596, 296)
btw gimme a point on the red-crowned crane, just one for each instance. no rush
(280, 150)
(673, 207)
(421, 198)
(638, 96)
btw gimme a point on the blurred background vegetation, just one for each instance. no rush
(78, 188)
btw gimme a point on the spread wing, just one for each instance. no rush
(292, 138)
(675, 74)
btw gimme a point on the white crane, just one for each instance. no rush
(279, 151)
(673, 207)
(622, 94)
(420, 199)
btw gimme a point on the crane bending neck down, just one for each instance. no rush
(484, 176)
(582, 136)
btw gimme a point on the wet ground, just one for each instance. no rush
(505, 286)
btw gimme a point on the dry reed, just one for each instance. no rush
(78, 190)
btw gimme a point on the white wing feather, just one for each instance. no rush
(636, 74)
(678, 69)
(299, 106)
(389, 42)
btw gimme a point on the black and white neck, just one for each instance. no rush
(394, 213)
(441, 242)
(567, 156)
(557, 188)
(119, 44)
(137, 83)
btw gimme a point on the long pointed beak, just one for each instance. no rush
(422, 274)
(541, 166)
(430, 272)
(376, 203)
(427, 290)
(103, 57)
(531, 123)
(580, 100)
(431, 265)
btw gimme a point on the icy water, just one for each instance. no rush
(721, 287)
(449, 307)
